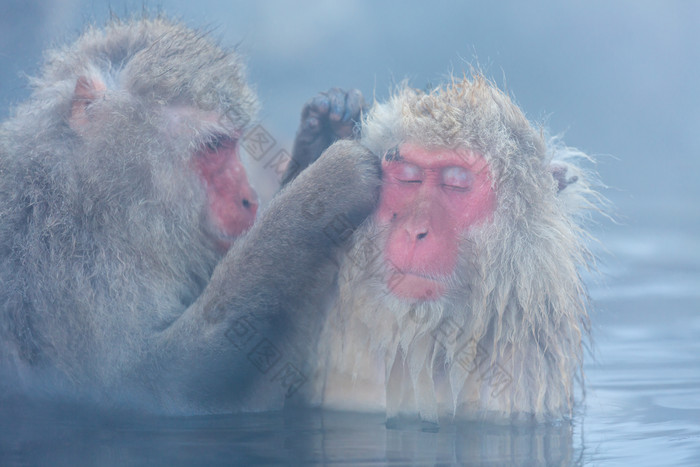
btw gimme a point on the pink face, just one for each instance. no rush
(428, 199)
(232, 201)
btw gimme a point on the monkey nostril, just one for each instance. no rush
(421, 235)
(246, 203)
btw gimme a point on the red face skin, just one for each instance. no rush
(429, 198)
(232, 201)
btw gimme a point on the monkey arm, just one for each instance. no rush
(326, 118)
(231, 342)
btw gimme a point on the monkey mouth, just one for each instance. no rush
(221, 240)
(415, 286)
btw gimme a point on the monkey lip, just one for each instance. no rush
(221, 240)
(415, 286)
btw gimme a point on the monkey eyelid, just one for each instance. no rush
(457, 178)
(410, 181)
(457, 188)
(407, 173)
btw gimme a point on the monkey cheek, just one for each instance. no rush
(223, 226)
(415, 288)
(233, 224)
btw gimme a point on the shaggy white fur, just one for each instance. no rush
(506, 340)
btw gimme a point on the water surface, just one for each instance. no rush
(642, 404)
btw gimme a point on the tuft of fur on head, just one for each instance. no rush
(157, 60)
(99, 243)
(506, 341)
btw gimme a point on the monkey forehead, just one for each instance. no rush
(441, 157)
(471, 114)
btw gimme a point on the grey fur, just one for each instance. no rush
(506, 341)
(110, 288)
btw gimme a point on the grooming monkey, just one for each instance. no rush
(130, 270)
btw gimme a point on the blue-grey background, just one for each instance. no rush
(619, 79)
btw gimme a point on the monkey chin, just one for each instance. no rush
(221, 240)
(415, 287)
(223, 236)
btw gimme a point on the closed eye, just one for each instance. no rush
(457, 179)
(408, 173)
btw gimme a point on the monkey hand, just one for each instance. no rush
(326, 118)
(340, 189)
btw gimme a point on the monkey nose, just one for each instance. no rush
(418, 227)
(250, 205)
(248, 198)
(419, 221)
(417, 231)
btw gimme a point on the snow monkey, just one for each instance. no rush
(460, 296)
(126, 275)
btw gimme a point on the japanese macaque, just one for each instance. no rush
(460, 296)
(126, 277)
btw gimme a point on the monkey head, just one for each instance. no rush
(457, 161)
(461, 295)
(164, 102)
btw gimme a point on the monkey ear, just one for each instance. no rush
(559, 172)
(87, 90)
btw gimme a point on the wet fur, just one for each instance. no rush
(506, 342)
(71, 208)
(110, 288)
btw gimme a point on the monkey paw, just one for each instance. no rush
(344, 182)
(326, 118)
(331, 115)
